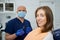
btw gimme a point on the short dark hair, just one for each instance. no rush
(49, 16)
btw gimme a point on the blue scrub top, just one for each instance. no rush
(15, 24)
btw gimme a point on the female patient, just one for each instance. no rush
(44, 19)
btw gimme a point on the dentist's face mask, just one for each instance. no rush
(21, 14)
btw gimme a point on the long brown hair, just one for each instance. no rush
(49, 16)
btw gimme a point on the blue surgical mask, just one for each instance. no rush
(21, 14)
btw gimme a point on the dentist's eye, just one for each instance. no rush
(23, 10)
(19, 10)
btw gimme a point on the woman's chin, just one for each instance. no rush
(39, 25)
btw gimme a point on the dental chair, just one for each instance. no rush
(56, 34)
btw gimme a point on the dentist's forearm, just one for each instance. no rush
(10, 37)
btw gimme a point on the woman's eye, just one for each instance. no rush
(41, 15)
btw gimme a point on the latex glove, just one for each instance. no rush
(28, 29)
(20, 32)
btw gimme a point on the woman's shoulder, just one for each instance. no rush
(49, 36)
(31, 35)
(33, 32)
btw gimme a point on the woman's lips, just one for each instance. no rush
(39, 22)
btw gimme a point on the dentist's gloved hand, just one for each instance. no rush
(19, 32)
(28, 29)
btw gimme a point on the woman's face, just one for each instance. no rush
(41, 18)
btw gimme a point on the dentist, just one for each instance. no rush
(19, 27)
